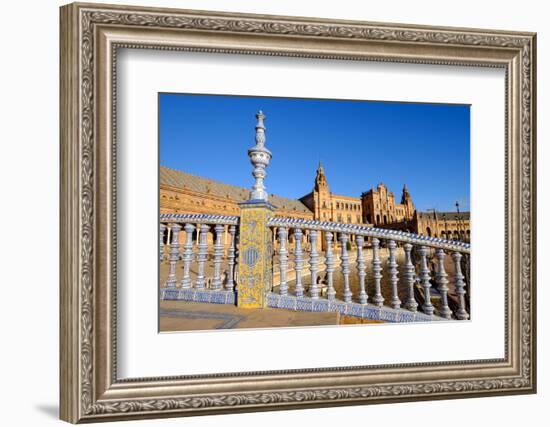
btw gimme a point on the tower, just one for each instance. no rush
(321, 196)
(406, 201)
(320, 179)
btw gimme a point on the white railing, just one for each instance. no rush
(196, 250)
(413, 279)
(386, 269)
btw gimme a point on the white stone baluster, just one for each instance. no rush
(408, 275)
(392, 269)
(187, 255)
(459, 284)
(427, 307)
(283, 258)
(344, 258)
(442, 284)
(202, 256)
(378, 299)
(360, 262)
(218, 254)
(298, 262)
(331, 292)
(174, 255)
(231, 260)
(313, 263)
(162, 228)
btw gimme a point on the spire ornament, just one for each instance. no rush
(259, 157)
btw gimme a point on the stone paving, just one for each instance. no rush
(192, 316)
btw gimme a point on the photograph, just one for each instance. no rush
(288, 212)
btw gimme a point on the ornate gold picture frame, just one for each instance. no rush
(91, 390)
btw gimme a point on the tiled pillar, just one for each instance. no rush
(256, 258)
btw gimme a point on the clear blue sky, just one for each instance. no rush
(360, 143)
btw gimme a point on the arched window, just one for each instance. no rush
(429, 231)
(378, 219)
(385, 219)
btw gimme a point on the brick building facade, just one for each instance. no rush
(181, 192)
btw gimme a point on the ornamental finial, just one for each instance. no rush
(259, 157)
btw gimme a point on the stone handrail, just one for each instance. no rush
(202, 224)
(416, 275)
(422, 274)
(200, 219)
(363, 230)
